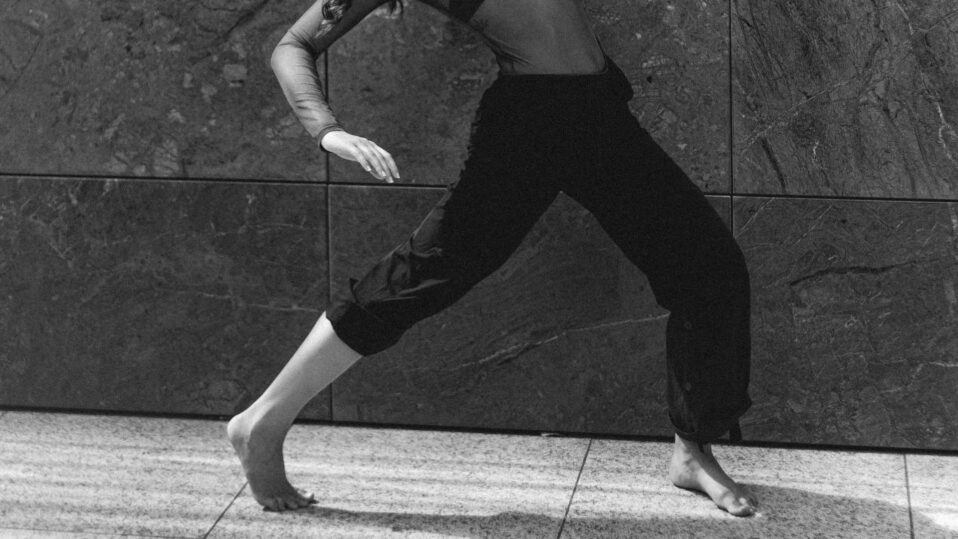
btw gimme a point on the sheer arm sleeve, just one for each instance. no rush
(294, 63)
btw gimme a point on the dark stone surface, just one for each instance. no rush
(565, 336)
(854, 321)
(846, 98)
(676, 56)
(148, 88)
(156, 296)
(412, 85)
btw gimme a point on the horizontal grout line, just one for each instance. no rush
(401, 185)
(495, 431)
(87, 177)
(844, 197)
(255, 181)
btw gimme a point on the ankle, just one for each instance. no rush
(264, 418)
(692, 448)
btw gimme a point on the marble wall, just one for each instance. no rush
(845, 163)
(852, 98)
(170, 234)
(155, 295)
(148, 88)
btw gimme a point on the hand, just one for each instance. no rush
(367, 153)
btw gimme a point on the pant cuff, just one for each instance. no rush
(361, 330)
(716, 429)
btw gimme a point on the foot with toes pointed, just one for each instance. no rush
(259, 446)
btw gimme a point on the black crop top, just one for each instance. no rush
(525, 36)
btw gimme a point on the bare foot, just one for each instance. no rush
(694, 470)
(259, 447)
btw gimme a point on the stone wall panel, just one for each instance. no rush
(153, 295)
(854, 321)
(148, 88)
(846, 98)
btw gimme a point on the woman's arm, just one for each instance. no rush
(294, 63)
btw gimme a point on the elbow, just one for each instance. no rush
(276, 59)
(279, 58)
(290, 43)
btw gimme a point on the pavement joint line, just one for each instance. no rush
(565, 517)
(227, 508)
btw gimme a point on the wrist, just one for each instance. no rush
(321, 136)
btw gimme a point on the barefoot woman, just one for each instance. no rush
(556, 119)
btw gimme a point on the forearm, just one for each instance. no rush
(295, 69)
(294, 63)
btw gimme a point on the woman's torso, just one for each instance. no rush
(531, 36)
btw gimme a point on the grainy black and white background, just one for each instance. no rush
(169, 233)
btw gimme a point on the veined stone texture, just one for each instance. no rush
(150, 88)
(412, 85)
(565, 336)
(157, 296)
(675, 53)
(854, 321)
(846, 98)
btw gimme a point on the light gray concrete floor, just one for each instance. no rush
(78, 475)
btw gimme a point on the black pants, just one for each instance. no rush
(536, 135)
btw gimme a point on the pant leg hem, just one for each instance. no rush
(713, 433)
(364, 332)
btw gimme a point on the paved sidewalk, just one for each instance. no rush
(77, 475)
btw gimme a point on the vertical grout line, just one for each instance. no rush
(217, 521)
(911, 520)
(574, 488)
(731, 129)
(329, 227)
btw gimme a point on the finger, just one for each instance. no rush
(366, 157)
(390, 162)
(377, 161)
(363, 161)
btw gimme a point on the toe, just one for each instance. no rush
(741, 508)
(288, 502)
(270, 504)
(306, 498)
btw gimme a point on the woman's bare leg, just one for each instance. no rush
(694, 469)
(258, 432)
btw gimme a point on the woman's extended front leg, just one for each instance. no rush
(257, 433)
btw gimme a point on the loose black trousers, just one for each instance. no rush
(536, 135)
